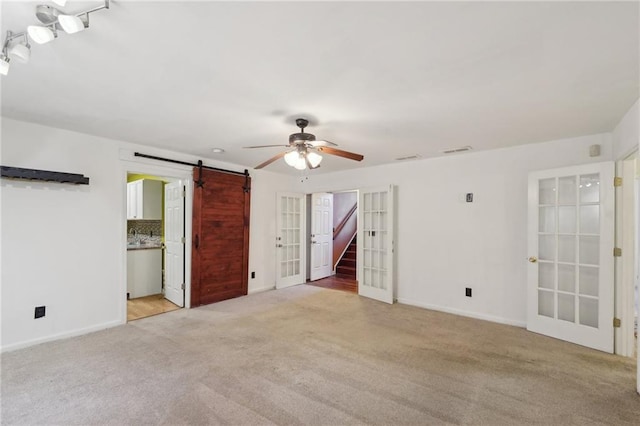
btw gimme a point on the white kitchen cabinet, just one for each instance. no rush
(144, 272)
(144, 199)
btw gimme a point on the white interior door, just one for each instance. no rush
(290, 244)
(321, 235)
(174, 195)
(375, 243)
(570, 242)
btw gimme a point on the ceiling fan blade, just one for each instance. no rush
(264, 146)
(270, 160)
(322, 143)
(340, 153)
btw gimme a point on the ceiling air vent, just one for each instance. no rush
(453, 150)
(409, 157)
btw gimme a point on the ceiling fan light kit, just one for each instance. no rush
(52, 20)
(304, 153)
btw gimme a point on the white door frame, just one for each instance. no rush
(626, 263)
(139, 165)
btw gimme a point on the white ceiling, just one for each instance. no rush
(383, 79)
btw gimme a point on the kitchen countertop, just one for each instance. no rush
(144, 247)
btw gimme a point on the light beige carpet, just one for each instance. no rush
(312, 356)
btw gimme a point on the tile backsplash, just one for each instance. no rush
(147, 230)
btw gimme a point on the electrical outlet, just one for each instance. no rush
(39, 312)
(469, 197)
(253, 275)
(467, 292)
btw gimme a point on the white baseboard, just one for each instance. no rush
(67, 334)
(475, 315)
(260, 290)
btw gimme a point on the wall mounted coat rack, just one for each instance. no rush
(43, 175)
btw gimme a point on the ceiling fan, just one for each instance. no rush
(304, 150)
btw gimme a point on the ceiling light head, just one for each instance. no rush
(41, 34)
(296, 159)
(72, 24)
(21, 52)
(314, 159)
(301, 164)
(291, 157)
(4, 65)
(46, 14)
(217, 150)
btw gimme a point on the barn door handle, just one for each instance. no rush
(196, 241)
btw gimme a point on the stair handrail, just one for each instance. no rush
(344, 221)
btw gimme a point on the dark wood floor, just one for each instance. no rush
(336, 283)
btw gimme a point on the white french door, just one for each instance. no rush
(375, 243)
(570, 243)
(321, 235)
(290, 242)
(174, 233)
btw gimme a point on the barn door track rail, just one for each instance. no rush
(201, 166)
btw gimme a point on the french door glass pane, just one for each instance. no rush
(567, 220)
(567, 190)
(374, 239)
(567, 278)
(547, 247)
(590, 188)
(566, 307)
(589, 250)
(547, 219)
(568, 209)
(547, 191)
(589, 280)
(589, 312)
(590, 219)
(546, 275)
(546, 304)
(566, 248)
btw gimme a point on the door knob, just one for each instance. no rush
(533, 259)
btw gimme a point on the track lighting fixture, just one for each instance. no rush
(52, 20)
(14, 50)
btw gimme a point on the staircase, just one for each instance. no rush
(347, 265)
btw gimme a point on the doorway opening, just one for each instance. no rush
(332, 251)
(156, 230)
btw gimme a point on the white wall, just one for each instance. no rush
(64, 246)
(626, 135)
(445, 244)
